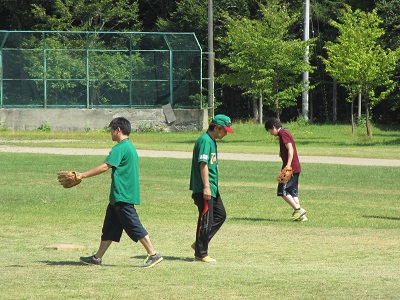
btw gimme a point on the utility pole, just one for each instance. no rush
(210, 59)
(305, 105)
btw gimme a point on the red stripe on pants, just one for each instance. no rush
(205, 210)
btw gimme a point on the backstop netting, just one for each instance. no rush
(99, 69)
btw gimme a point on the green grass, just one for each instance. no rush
(321, 140)
(348, 250)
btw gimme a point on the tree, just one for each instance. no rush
(191, 16)
(85, 15)
(357, 61)
(15, 15)
(109, 69)
(263, 58)
(389, 109)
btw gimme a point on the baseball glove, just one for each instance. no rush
(285, 175)
(68, 179)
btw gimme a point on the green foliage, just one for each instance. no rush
(263, 57)
(44, 127)
(356, 59)
(301, 121)
(192, 16)
(65, 55)
(387, 10)
(84, 15)
(3, 127)
(148, 127)
(64, 62)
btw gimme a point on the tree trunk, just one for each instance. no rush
(260, 109)
(277, 109)
(311, 107)
(352, 115)
(334, 103)
(255, 108)
(369, 132)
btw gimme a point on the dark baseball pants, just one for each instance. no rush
(212, 215)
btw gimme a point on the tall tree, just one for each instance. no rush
(16, 15)
(109, 69)
(389, 110)
(357, 61)
(97, 15)
(191, 16)
(263, 58)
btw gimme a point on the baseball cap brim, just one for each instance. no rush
(228, 129)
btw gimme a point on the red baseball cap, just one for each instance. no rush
(224, 121)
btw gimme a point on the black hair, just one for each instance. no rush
(122, 123)
(212, 126)
(271, 122)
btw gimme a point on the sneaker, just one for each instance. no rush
(206, 259)
(91, 260)
(151, 260)
(193, 246)
(298, 213)
(303, 218)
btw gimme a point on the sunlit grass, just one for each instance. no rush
(347, 250)
(321, 140)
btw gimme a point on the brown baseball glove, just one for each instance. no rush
(285, 175)
(68, 179)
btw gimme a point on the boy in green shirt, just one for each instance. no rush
(124, 195)
(204, 186)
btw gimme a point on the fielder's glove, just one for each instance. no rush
(69, 179)
(285, 175)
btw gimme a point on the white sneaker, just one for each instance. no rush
(303, 218)
(298, 213)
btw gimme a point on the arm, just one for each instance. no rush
(206, 181)
(289, 147)
(95, 171)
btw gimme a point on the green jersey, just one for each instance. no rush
(123, 159)
(205, 150)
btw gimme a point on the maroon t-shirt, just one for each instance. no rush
(284, 138)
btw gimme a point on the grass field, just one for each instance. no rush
(325, 140)
(349, 249)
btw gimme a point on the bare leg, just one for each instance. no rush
(297, 201)
(102, 248)
(146, 242)
(292, 201)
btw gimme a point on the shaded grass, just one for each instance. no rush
(348, 250)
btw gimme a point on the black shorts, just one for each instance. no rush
(122, 216)
(290, 188)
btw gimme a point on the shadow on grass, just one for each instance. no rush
(256, 220)
(382, 217)
(62, 263)
(174, 258)
(71, 263)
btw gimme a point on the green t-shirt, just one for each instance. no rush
(205, 150)
(123, 159)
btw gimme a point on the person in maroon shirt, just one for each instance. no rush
(288, 153)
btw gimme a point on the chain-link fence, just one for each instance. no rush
(99, 69)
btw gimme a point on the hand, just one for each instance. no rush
(207, 193)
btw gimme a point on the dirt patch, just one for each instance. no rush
(66, 247)
(222, 156)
